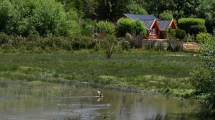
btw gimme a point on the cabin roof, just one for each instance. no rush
(141, 17)
(148, 23)
(147, 20)
(164, 24)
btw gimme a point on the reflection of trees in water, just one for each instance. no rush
(174, 117)
(205, 113)
(114, 106)
(127, 102)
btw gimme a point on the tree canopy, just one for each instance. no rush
(26, 17)
(61, 17)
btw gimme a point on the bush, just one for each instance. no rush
(87, 27)
(166, 15)
(110, 45)
(159, 45)
(180, 34)
(204, 77)
(3, 38)
(50, 43)
(196, 29)
(125, 45)
(127, 25)
(24, 17)
(82, 42)
(204, 37)
(105, 27)
(186, 23)
(177, 33)
(139, 28)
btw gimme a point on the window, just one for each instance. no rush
(153, 31)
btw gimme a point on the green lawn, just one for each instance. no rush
(144, 69)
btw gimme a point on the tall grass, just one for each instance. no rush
(145, 69)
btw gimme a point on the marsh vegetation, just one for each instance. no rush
(165, 71)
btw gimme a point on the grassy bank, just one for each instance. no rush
(166, 71)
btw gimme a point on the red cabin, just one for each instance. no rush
(156, 28)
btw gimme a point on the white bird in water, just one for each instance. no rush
(100, 93)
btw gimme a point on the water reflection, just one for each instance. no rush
(19, 101)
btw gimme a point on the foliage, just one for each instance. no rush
(166, 15)
(128, 68)
(87, 27)
(134, 27)
(186, 23)
(206, 11)
(81, 42)
(175, 37)
(110, 9)
(195, 29)
(26, 17)
(179, 8)
(110, 45)
(50, 43)
(180, 34)
(204, 77)
(177, 33)
(105, 27)
(124, 44)
(204, 37)
(136, 9)
(139, 28)
(159, 45)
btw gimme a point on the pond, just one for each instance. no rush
(50, 101)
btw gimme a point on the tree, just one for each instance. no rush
(204, 78)
(179, 8)
(110, 9)
(206, 11)
(7, 13)
(166, 15)
(110, 45)
(135, 8)
(26, 17)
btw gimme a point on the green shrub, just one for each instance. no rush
(180, 34)
(204, 37)
(134, 27)
(125, 25)
(110, 45)
(159, 45)
(171, 33)
(177, 33)
(166, 15)
(82, 42)
(175, 42)
(125, 45)
(186, 23)
(49, 43)
(3, 38)
(204, 77)
(196, 29)
(87, 27)
(105, 27)
(24, 17)
(139, 28)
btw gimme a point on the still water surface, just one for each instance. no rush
(37, 101)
